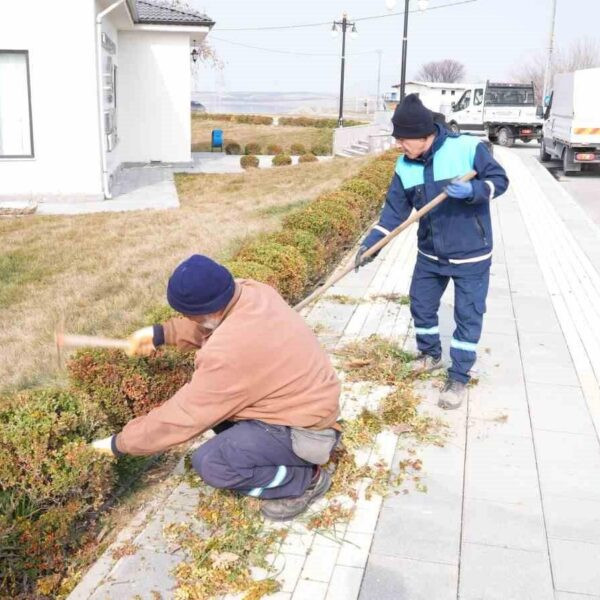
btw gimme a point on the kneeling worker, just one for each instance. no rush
(261, 381)
(454, 239)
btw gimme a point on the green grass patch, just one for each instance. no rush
(17, 269)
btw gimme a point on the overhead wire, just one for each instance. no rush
(300, 26)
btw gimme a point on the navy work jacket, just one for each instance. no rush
(456, 228)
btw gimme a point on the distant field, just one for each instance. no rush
(261, 134)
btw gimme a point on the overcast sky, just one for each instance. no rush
(490, 37)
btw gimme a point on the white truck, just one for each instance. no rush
(572, 120)
(505, 111)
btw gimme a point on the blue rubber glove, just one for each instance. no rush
(460, 189)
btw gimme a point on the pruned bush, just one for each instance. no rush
(371, 193)
(51, 480)
(297, 149)
(358, 204)
(125, 387)
(249, 119)
(309, 245)
(319, 123)
(274, 149)
(334, 223)
(286, 261)
(320, 150)
(233, 148)
(245, 269)
(281, 160)
(307, 158)
(252, 148)
(249, 161)
(379, 174)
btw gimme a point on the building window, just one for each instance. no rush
(443, 92)
(16, 132)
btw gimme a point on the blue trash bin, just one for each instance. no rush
(216, 139)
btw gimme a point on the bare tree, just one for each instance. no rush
(582, 54)
(446, 71)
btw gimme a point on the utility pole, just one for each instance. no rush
(344, 23)
(550, 49)
(379, 53)
(404, 50)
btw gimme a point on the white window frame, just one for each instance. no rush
(32, 154)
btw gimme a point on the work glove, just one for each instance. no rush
(460, 189)
(103, 446)
(359, 261)
(141, 342)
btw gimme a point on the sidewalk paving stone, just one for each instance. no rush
(576, 566)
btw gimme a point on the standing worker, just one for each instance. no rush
(262, 382)
(454, 239)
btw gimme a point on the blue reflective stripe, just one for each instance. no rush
(279, 476)
(455, 157)
(468, 346)
(256, 492)
(410, 173)
(431, 331)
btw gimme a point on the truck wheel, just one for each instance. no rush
(505, 137)
(454, 128)
(544, 156)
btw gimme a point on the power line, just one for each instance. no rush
(388, 15)
(276, 51)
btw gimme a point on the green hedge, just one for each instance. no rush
(51, 481)
(249, 161)
(319, 123)
(251, 119)
(282, 160)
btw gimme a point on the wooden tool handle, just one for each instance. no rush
(382, 242)
(90, 341)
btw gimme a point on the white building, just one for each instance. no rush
(88, 85)
(435, 96)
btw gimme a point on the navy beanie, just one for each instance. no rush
(200, 286)
(411, 119)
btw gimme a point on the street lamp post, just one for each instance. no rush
(391, 4)
(344, 24)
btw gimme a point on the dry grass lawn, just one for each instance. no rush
(105, 272)
(261, 134)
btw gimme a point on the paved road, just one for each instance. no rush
(583, 187)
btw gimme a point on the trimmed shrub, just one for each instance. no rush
(286, 261)
(250, 119)
(245, 269)
(233, 148)
(307, 158)
(334, 223)
(355, 202)
(249, 161)
(309, 245)
(125, 387)
(379, 174)
(297, 149)
(371, 194)
(252, 148)
(320, 150)
(282, 160)
(319, 123)
(274, 149)
(51, 480)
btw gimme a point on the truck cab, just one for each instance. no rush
(504, 111)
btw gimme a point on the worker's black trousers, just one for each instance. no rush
(253, 458)
(429, 281)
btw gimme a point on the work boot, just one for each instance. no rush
(285, 509)
(425, 363)
(452, 394)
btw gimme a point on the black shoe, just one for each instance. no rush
(285, 509)
(453, 394)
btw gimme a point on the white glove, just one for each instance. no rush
(103, 446)
(140, 342)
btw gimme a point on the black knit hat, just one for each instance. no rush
(411, 119)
